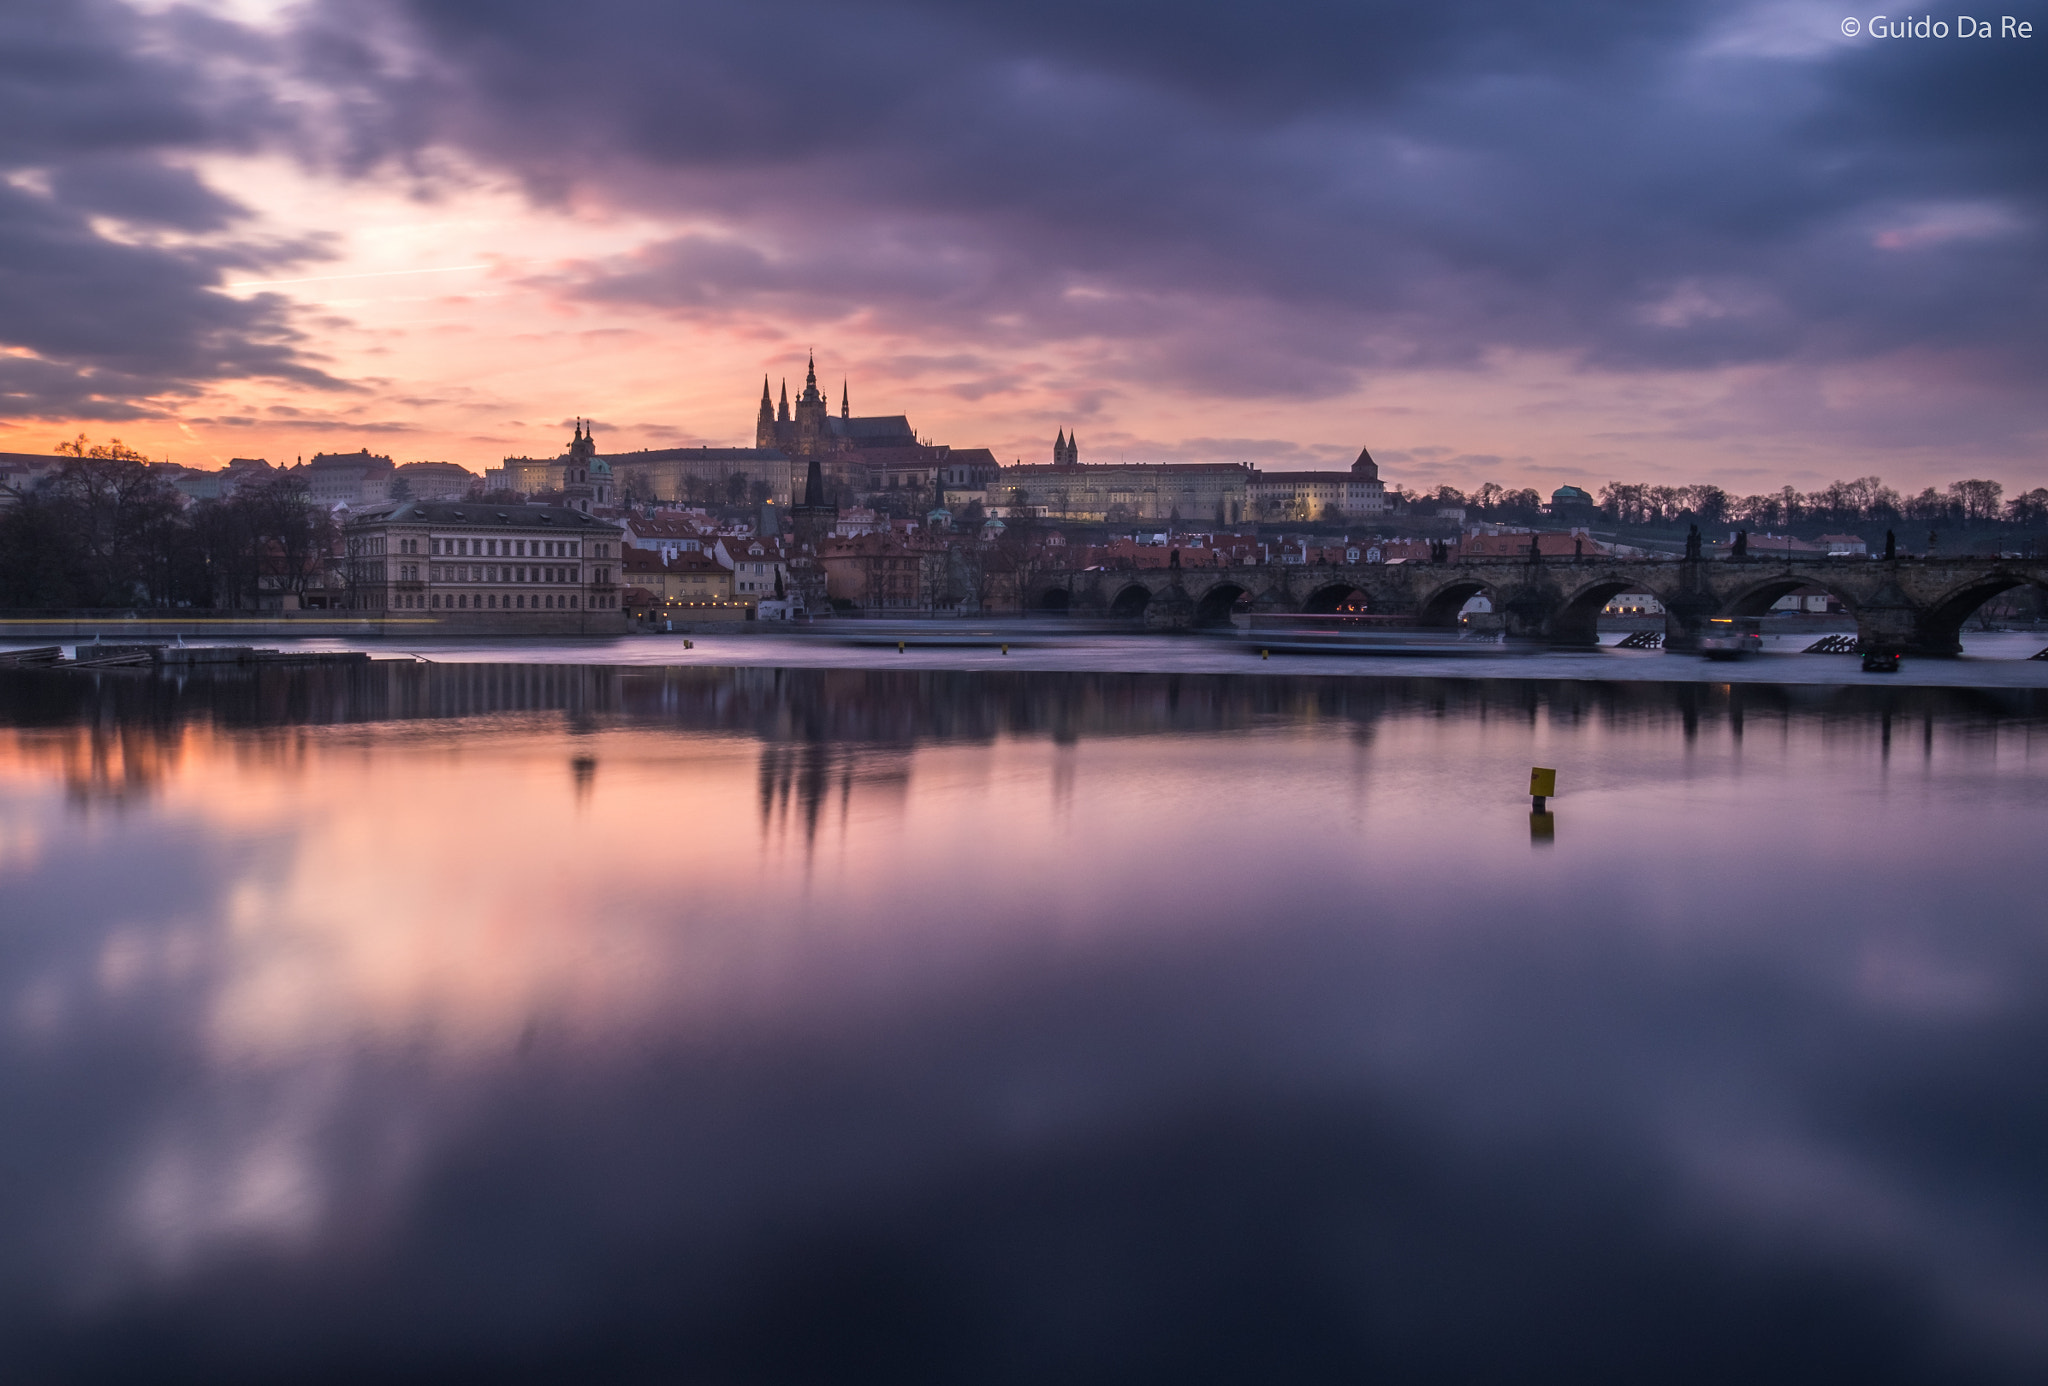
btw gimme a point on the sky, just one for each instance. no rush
(1579, 242)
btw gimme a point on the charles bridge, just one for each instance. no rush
(1910, 605)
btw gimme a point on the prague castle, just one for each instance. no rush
(881, 453)
(855, 454)
(878, 452)
(1184, 492)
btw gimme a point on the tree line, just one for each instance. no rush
(1864, 501)
(105, 530)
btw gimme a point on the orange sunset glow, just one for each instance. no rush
(315, 248)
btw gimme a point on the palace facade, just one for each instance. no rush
(1183, 492)
(523, 563)
(1354, 495)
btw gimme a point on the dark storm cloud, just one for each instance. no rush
(1272, 196)
(98, 108)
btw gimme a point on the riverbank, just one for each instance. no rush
(1990, 659)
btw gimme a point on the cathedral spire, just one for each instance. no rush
(1059, 449)
(845, 409)
(782, 415)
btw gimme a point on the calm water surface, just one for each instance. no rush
(429, 1023)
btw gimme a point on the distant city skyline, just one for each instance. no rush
(1667, 244)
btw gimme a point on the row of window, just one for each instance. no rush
(491, 572)
(494, 601)
(513, 548)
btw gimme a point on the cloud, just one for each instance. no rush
(1265, 202)
(1095, 203)
(112, 250)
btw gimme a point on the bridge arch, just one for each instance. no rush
(1057, 599)
(1440, 607)
(1218, 602)
(1577, 620)
(1337, 597)
(1760, 597)
(1946, 614)
(1130, 603)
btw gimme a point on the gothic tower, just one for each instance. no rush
(764, 426)
(810, 415)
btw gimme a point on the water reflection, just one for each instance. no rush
(938, 1026)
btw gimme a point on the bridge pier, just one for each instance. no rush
(1528, 609)
(1172, 609)
(1685, 620)
(1903, 628)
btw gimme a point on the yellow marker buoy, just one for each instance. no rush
(1542, 785)
(899, 647)
(1262, 654)
(1006, 649)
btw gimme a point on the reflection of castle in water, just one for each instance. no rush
(825, 732)
(798, 780)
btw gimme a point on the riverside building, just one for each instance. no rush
(520, 567)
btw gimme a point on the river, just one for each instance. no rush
(556, 1022)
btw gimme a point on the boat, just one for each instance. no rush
(1732, 637)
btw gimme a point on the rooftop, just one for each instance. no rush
(483, 516)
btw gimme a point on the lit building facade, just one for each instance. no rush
(520, 562)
